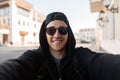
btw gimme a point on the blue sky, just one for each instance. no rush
(77, 11)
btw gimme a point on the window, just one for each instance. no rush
(19, 22)
(4, 21)
(6, 10)
(34, 25)
(1, 12)
(23, 23)
(8, 21)
(27, 23)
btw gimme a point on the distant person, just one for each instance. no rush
(58, 59)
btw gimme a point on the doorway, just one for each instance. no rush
(5, 39)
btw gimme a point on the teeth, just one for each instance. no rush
(57, 41)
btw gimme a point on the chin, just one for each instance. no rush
(58, 49)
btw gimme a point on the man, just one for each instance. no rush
(58, 59)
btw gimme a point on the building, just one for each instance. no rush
(108, 24)
(87, 35)
(110, 20)
(19, 23)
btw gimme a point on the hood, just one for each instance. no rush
(70, 46)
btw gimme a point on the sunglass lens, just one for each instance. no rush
(63, 30)
(51, 30)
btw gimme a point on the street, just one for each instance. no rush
(7, 52)
(11, 52)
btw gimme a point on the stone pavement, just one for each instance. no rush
(11, 52)
(17, 48)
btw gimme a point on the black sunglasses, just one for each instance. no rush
(61, 30)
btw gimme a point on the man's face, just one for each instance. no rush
(57, 39)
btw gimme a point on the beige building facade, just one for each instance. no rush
(19, 23)
(117, 20)
(108, 24)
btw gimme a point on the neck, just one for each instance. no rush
(58, 54)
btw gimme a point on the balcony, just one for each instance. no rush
(97, 6)
(4, 29)
(23, 4)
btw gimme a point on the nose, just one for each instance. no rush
(57, 34)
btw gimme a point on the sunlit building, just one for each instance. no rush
(87, 35)
(108, 24)
(109, 20)
(19, 23)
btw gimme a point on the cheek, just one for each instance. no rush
(48, 38)
(66, 38)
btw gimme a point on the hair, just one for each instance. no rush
(42, 36)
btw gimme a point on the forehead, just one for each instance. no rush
(57, 23)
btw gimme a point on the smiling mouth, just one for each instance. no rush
(58, 40)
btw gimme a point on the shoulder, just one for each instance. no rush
(85, 55)
(98, 65)
(32, 57)
(82, 51)
(31, 53)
